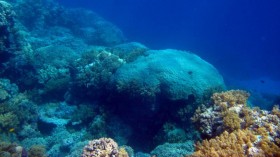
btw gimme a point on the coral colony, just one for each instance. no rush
(71, 85)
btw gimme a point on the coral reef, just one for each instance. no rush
(83, 24)
(7, 89)
(241, 143)
(58, 114)
(129, 51)
(103, 147)
(75, 79)
(12, 150)
(226, 111)
(172, 74)
(171, 133)
(7, 35)
(236, 130)
(16, 110)
(37, 151)
(94, 70)
(173, 149)
(15, 150)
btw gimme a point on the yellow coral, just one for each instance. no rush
(276, 111)
(231, 120)
(247, 116)
(241, 137)
(122, 152)
(231, 97)
(269, 147)
(238, 144)
(226, 145)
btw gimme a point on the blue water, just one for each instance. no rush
(68, 76)
(240, 38)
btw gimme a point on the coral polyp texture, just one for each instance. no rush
(235, 129)
(103, 147)
(165, 74)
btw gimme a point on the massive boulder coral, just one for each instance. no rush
(103, 147)
(165, 74)
(84, 24)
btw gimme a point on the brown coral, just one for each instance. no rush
(230, 98)
(242, 132)
(11, 150)
(236, 144)
(231, 121)
(227, 112)
(276, 111)
(37, 151)
(103, 147)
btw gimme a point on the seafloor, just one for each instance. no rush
(72, 85)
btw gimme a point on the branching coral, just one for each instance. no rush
(103, 147)
(230, 98)
(95, 67)
(240, 143)
(93, 72)
(227, 144)
(239, 130)
(276, 111)
(228, 111)
(16, 111)
(231, 121)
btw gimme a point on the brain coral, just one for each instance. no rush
(171, 74)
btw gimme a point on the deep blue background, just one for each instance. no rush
(239, 37)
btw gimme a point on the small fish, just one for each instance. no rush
(12, 130)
